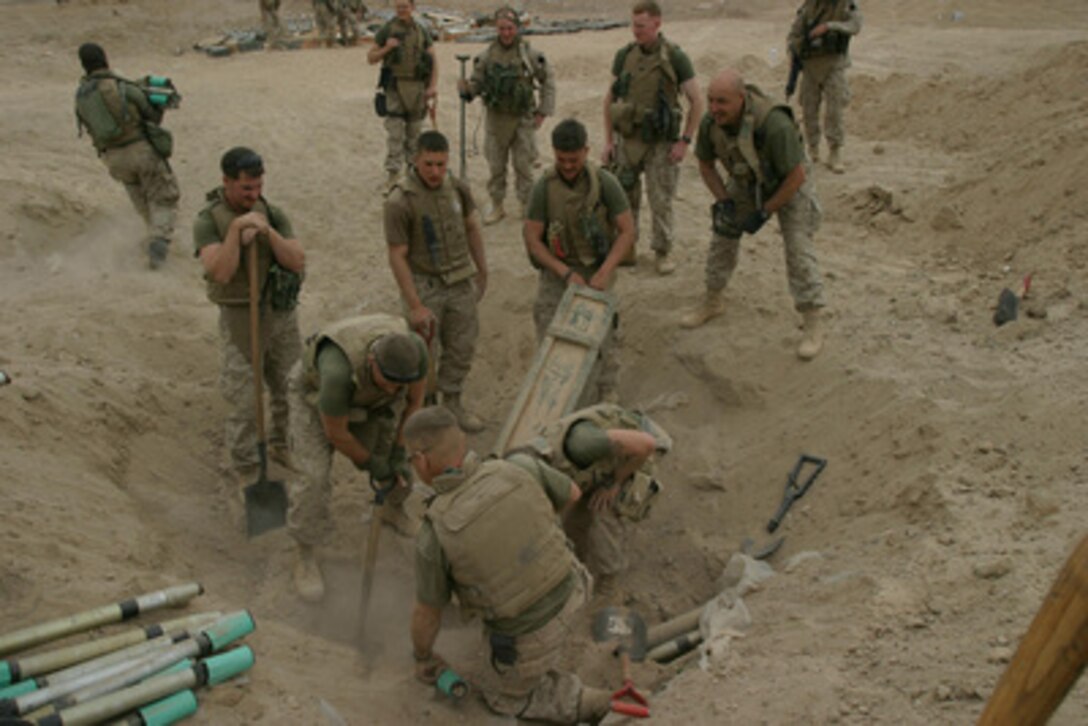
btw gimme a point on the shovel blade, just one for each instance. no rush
(266, 507)
(624, 628)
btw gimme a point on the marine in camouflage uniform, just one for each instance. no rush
(325, 16)
(238, 221)
(357, 381)
(409, 77)
(820, 37)
(757, 142)
(437, 256)
(491, 537)
(118, 117)
(578, 228)
(270, 21)
(608, 451)
(646, 132)
(508, 76)
(348, 14)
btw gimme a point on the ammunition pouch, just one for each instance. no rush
(282, 287)
(723, 216)
(662, 123)
(636, 496)
(381, 104)
(504, 650)
(591, 229)
(622, 116)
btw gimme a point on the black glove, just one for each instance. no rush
(752, 223)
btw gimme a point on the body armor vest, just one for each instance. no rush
(500, 536)
(354, 337)
(101, 107)
(738, 152)
(646, 94)
(832, 42)
(508, 79)
(549, 443)
(579, 228)
(406, 61)
(236, 290)
(438, 244)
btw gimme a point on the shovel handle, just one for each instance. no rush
(255, 339)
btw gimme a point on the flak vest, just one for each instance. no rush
(354, 337)
(508, 79)
(408, 63)
(833, 42)
(101, 107)
(645, 80)
(236, 290)
(500, 535)
(738, 153)
(549, 443)
(438, 244)
(579, 228)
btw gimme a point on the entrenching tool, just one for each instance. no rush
(266, 500)
(627, 630)
(462, 59)
(793, 490)
(1052, 654)
(115, 613)
(370, 557)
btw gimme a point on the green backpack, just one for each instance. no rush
(94, 113)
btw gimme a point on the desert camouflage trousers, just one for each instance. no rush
(309, 488)
(824, 80)
(281, 346)
(345, 19)
(325, 19)
(401, 137)
(534, 688)
(661, 181)
(150, 184)
(458, 327)
(598, 538)
(798, 220)
(549, 293)
(510, 139)
(270, 20)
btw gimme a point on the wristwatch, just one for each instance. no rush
(686, 139)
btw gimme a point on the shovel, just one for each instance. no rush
(266, 501)
(627, 630)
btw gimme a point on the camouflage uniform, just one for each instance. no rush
(270, 20)
(409, 69)
(824, 60)
(512, 566)
(442, 269)
(798, 219)
(647, 119)
(563, 209)
(373, 417)
(130, 157)
(346, 18)
(325, 12)
(280, 340)
(507, 78)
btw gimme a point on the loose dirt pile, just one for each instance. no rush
(957, 475)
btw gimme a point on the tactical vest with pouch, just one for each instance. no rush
(579, 228)
(508, 79)
(498, 531)
(102, 109)
(739, 153)
(236, 290)
(833, 42)
(354, 337)
(409, 61)
(645, 95)
(438, 244)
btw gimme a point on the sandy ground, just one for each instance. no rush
(957, 476)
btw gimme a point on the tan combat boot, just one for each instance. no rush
(813, 340)
(711, 307)
(309, 584)
(469, 422)
(496, 214)
(834, 160)
(663, 264)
